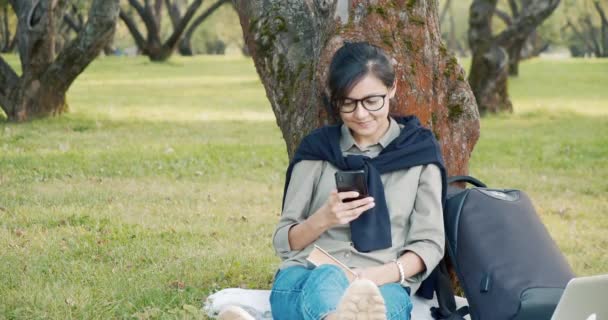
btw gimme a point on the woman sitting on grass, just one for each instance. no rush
(393, 238)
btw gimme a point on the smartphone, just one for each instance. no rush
(353, 180)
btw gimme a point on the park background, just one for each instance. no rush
(163, 183)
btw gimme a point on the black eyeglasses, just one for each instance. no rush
(370, 103)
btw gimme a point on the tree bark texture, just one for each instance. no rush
(74, 21)
(47, 74)
(292, 43)
(522, 47)
(490, 63)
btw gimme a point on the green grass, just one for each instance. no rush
(163, 184)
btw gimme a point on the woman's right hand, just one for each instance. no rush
(338, 212)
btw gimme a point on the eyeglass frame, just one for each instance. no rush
(357, 101)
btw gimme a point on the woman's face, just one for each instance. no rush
(367, 126)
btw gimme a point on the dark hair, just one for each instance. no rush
(354, 61)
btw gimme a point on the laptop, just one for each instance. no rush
(585, 298)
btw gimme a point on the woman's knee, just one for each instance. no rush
(286, 293)
(323, 291)
(327, 275)
(397, 300)
(290, 279)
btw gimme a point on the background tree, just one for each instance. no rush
(490, 62)
(8, 23)
(292, 43)
(46, 73)
(151, 13)
(521, 47)
(589, 27)
(74, 22)
(185, 46)
(450, 29)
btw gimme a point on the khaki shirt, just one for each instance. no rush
(413, 198)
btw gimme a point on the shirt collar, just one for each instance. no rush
(347, 141)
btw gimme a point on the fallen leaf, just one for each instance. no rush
(562, 211)
(63, 147)
(191, 309)
(180, 285)
(70, 302)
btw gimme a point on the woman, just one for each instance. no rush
(393, 238)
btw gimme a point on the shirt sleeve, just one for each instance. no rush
(304, 178)
(426, 236)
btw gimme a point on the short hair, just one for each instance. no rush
(351, 63)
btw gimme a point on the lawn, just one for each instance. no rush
(163, 184)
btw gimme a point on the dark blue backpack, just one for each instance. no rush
(506, 262)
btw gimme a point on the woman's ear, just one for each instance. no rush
(392, 90)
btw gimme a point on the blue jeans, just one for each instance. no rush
(311, 294)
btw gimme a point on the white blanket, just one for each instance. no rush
(256, 302)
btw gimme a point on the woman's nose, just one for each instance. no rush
(360, 111)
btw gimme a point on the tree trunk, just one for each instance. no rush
(6, 34)
(490, 63)
(488, 80)
(604, 27)
(293, 42)
(592, 31)
(514, 55)
(152, 45)
(40, 90)
(521, 47)
(588, 45)
(453, 43)
(533, 46)
(185, 47)
(446, 7)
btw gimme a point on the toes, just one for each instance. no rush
(362, 301)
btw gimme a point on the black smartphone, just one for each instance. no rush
(353, 180)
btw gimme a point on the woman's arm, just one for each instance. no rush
(296, 228)
(333, 212)
(389, 272)
(426, 235)
(296, 208)
(425, 238)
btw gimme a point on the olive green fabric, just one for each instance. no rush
(413, 198)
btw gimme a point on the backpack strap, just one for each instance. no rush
(468, 179)
(443, 287)
(445, 297)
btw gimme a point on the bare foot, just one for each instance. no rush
(234, 313)
(361, 301)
